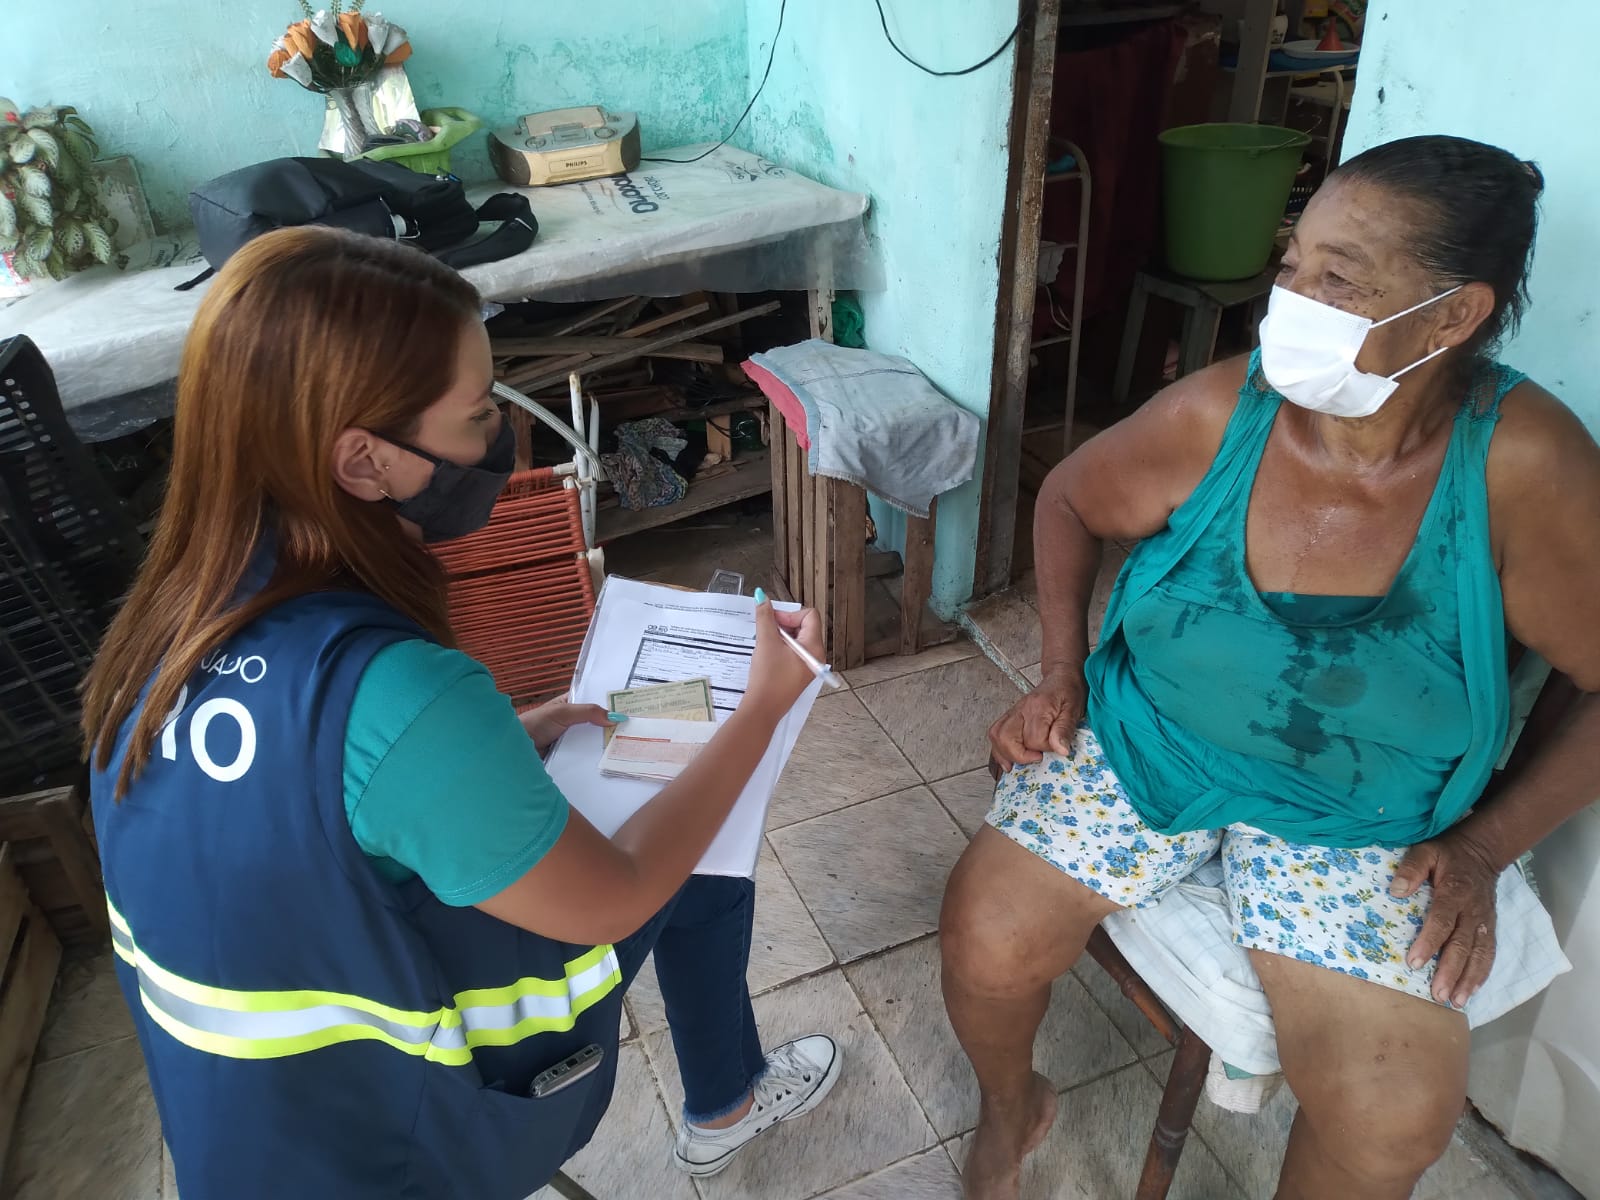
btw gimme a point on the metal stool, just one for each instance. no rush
(1203, 303)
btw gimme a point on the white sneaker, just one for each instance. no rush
(799, 1075)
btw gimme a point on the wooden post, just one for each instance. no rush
(778, 450)
(522, 431)
(1019, 285)
(823, 549)
(821, 313)
(917, 584)
(805, 572)
(798, 488)
(849, 526)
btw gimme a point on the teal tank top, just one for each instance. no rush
(1335, 720)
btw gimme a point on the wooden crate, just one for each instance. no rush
(31, 954)
(52, 842)
(819, 551)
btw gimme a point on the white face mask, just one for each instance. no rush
(1308, 354)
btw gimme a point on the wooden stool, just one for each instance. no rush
(1203, 303)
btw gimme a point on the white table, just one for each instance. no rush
(732, 222)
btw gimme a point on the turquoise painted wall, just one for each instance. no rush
(844, 109)
(1516, 80)
(182, 84)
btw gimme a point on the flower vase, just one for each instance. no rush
(353, 123)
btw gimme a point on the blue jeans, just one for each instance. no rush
(701, 940)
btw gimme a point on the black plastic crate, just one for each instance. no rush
(68, 552)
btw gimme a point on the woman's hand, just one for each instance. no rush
(777, 674)
(554, 717)
(1047, 718)
(1461, 918)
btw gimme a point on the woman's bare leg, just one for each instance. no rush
(1381, 1077)
(1011, 925)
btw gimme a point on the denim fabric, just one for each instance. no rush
(701, 940)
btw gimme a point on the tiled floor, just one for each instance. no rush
(883, 792)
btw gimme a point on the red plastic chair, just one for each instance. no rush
(522, 589)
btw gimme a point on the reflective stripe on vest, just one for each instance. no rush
(260, 1024)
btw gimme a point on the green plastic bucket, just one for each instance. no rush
(1225, 189)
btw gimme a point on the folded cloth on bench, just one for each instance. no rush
(875, 421)
(1183, 947)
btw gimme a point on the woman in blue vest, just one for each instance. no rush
(369, 950)
(1304, 667)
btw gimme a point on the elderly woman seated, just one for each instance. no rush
(1342, 543)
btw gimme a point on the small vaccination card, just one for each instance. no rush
(654, 748)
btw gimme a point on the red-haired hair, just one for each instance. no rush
(304, 333)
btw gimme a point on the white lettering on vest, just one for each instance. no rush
(203, 716)
(251, 669)
(169, 730)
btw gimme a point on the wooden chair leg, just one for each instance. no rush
(1184, 1083)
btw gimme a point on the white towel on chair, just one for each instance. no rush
(1183, 948)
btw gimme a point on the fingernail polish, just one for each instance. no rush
(761, 596)
(616, 718)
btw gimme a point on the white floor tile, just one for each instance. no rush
(843, 757)
(873, 875)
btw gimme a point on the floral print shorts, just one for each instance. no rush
(1326, 906)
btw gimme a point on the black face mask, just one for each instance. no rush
(458, 500)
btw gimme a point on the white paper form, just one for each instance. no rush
(644, 634)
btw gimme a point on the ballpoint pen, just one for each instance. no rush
(821, 670)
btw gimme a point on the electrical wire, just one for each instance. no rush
(883, 20)
(977, 66)
(772, 53)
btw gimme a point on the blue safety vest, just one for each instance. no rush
(312, 1030)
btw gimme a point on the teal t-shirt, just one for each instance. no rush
(441, 780)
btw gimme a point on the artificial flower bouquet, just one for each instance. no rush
(354, 59)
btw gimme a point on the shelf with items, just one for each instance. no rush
(742, 478)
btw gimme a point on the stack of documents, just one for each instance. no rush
(643, 635)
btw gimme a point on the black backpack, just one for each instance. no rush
(381, 199)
